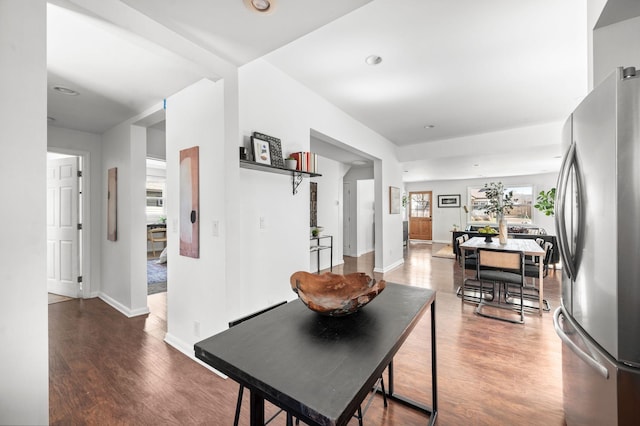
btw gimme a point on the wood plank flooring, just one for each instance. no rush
(108, 369)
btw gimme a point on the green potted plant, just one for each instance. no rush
(499, 202)
(290, 163)
(545, 202)
(316, 230)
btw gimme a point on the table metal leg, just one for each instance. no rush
(433, 410)
(256, 410)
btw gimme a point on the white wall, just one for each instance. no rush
(365, 206)
(283, 246)
(353, 175)
(24, 380)
(197, 300)
(156, 143)
(123, 280)
(616, 45)
(329, 211)
(89, 146)
(444, 218)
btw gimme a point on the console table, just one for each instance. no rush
(317, 248)
(320, 368)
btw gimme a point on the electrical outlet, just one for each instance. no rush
(263, 222)
(215, 231)
(196, 328)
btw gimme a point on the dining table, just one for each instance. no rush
(527, 246)
(320, 368)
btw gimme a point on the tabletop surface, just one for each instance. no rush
(527, 246)
(316, 365)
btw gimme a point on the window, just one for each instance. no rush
(520, 214)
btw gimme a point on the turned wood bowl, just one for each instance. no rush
(333, 294)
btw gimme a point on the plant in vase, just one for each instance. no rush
(546, 201)
(499, 202)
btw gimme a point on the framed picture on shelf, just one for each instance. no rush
(261, 151)
(449, 200)
(275, 148)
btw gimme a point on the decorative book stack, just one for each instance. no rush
(307, 161)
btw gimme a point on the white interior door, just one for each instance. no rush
(62, 226)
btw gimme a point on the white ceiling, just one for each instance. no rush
(465, 66)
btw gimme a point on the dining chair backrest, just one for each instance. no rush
(465, 237)
(459, 240)
(548, 252)
(540, 242)
(509, 261)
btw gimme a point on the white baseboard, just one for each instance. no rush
(129, 313)
(187, 350)
(390, 267)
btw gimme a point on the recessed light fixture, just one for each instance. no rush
(358, 162)
(261, 6)
(64, 90)
(373, 60)
(429, 126)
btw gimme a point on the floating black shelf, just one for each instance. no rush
(296, 175)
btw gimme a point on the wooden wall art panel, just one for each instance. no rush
(190, 202)
(112, 204)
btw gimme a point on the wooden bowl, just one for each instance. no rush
(333, 294)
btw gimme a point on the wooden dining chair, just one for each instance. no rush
(157, 235)
(501, 268)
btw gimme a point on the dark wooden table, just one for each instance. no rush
(321, 368)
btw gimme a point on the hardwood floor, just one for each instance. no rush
(109, 369)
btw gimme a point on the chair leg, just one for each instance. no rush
(384, 393)
(360, 416)
(238, 406)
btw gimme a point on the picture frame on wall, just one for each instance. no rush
(450, 200)
(394, 200)
(261, 150)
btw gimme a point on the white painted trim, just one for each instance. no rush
(390, 267)
(121, 308)
(187, 350)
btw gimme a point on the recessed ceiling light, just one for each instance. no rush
(64, 90)
(262, 6)
(373, 60)
(358, 163)
(429, 126)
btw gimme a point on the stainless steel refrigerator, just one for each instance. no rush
(597, 216)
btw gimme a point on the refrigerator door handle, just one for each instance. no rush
(601, 369)
(561, 226)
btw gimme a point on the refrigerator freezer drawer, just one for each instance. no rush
(589, 379)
